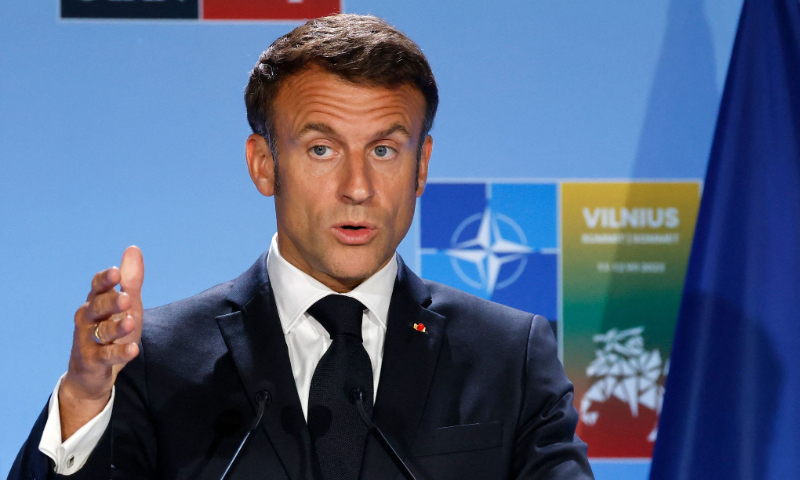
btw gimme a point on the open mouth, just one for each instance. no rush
(354, 234)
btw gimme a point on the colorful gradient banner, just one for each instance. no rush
(625, 247)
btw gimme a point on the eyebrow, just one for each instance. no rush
(394, 128)
(328, 130)
(316, 127)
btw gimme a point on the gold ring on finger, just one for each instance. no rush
(97, 335)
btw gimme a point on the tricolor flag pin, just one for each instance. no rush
(420, 327)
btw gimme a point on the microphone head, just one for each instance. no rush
(357, 394)
(265, 392)
(264, 396)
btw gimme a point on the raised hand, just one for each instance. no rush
(108, 328)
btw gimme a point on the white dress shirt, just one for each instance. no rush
(307, 340)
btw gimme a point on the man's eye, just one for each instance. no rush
(322, 151)
(382, 151)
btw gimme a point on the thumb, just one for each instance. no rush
(132, 272)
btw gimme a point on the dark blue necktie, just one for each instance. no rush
(338, 433)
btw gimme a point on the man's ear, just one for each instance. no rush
(422, 177)
(260, 164)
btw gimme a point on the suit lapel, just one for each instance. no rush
(409, 360)
(255, 340)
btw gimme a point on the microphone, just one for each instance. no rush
(357, 397)
(263, 398)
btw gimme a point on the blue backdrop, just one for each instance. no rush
(132, 132)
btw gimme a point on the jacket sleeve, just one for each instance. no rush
(127, 448)
(134, 452)
(32, 464)
(546, 445)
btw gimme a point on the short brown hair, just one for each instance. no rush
(362, 49)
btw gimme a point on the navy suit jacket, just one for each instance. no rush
(479, 395)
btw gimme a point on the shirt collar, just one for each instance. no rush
(295, 291)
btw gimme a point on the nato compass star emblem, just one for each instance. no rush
(489, 251)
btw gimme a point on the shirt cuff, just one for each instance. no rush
(71, 455)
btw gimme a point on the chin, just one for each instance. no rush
(356, 265)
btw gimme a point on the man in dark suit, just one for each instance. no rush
(462, 388)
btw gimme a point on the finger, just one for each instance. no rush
(112, 329)
(104, 281)
(115, 354)
(132, 271)
(106, 304)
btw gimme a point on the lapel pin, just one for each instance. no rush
(420, 327)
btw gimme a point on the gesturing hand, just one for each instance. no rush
(108, 328)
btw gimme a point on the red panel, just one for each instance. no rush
(268, 9)
(617, 433)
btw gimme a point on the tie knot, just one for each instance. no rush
(339, 314)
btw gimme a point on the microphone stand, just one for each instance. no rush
(263, 398)
(358, 397)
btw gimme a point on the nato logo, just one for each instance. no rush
(495, 240)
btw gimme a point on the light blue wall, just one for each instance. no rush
(113, 133)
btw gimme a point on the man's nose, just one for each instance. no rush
(356, 185)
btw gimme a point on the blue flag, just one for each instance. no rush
(732, 404)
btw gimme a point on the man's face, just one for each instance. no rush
(347, 162)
